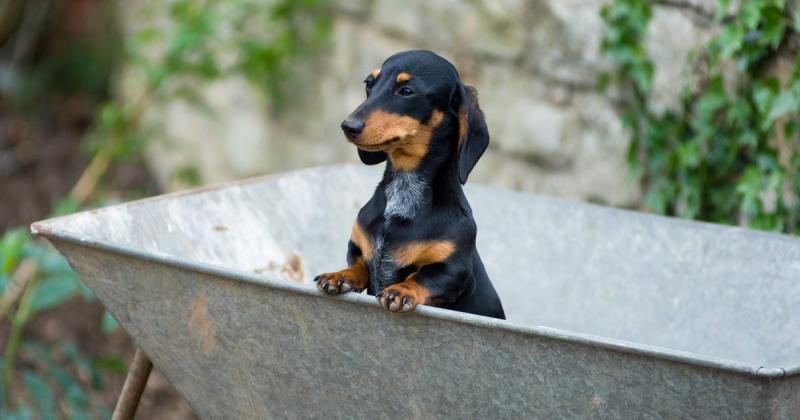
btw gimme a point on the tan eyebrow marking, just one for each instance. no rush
(375, 73)
(403, 77)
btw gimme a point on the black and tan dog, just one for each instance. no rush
(414, 241)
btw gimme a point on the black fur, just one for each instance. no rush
(460, 282)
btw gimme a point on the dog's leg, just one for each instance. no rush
(431, 285)
(355, 277)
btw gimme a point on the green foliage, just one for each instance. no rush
(267, 43)
(55, 385)
(56, 282)
(188, 175)
(729, 153)
(54, 389)
(108, 324)
(299, 30)
(195, 44)
(205, 41)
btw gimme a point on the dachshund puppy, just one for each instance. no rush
(413, 243)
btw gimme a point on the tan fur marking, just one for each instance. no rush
(359, 273)
(356, 275)
(462, 125)
(375, 73)
(423, 253)
(362, 241)
(405, 139)
(419, 294)
(403, 77)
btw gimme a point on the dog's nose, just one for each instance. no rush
(352, 128)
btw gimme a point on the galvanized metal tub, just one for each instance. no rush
(611, 313)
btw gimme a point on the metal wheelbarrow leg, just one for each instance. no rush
(133, 388)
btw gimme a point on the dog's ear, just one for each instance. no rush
(473, 134)
(371, 158)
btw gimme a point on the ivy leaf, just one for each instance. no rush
(773, 26)
(689, 155)
(748, 138)
(709, 103)
(642, 75)
(763, 96)
(796, 20)
(749, 188)
(750, 14)
(729, 41)
(784, 104)
(739, 113)
(722, 7)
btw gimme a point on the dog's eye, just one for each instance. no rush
(405, 91)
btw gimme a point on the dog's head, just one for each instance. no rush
(418, 110)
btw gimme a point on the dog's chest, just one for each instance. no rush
(405, 194)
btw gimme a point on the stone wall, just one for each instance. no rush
(534, 63)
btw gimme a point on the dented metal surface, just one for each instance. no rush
(611, 314)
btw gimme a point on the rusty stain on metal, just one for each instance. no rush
(292, 268)
(200, 325)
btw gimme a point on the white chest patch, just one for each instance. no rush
(405, 195)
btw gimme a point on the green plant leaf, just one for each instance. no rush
(41, 394)
(108, 324)
(52, 291)
(38, 352)
(729, 41)
(22, 412)
(750, 14)
(773, 25)
(12, 244)
(109, 363)
(65, 206)
(81, 363)
(784, 104)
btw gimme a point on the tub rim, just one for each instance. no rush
(271, 280)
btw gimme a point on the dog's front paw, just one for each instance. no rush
(403, 296)
(339, 282)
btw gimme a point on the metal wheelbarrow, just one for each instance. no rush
(611, 313)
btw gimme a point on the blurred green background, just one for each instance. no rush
(684, 108)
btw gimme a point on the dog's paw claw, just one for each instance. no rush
(396, 301)
(334, 284)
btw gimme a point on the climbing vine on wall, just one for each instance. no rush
(729, 153)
